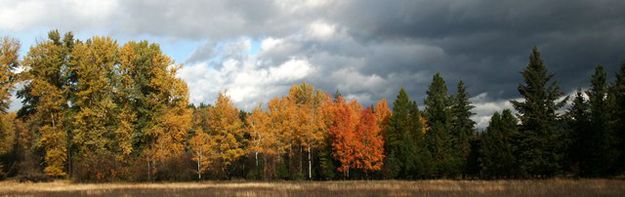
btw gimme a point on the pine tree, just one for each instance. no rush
(579, 152)
(603, 141)
(617, 93)
(462, 127)
(540, 150)
(497, 157)
(404, 144)
(438, 113)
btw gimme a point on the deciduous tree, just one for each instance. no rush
(226, 131)
(45, 100)
(9, 49)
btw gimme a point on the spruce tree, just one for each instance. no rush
(462, 127)
(497, 149)
(540, 150)
(405, 157)
(578, 117)
(603, 141)
(438, 113)
(617, 92)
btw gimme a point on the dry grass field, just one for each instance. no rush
(554, 187)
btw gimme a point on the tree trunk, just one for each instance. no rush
(301, 160)
(149, 169)
(199, 169)
(309, 164)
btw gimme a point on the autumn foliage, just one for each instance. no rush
(98, 110)
(356, 135)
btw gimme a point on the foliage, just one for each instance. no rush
(541, 151)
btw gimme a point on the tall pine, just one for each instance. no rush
(462, 127)
(617, 92)
(497, 157)
(603, 141)
(439, 140)
(406, 155)
(540, 152)
(578, 118)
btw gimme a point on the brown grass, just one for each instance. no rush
(553, 187)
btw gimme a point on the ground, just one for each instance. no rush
(553, 187)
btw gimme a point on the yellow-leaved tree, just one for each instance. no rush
(225, 137)
(159, 102)
(310, 130)
(45, 98)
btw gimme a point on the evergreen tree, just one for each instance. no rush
(497, 157)
(603, 141)
(438, 113)
(579, 151)
(462, 127)
(540, 150)
(406, 156)
(617, 93)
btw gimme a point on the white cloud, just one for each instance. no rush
(246, 81)
(269, 43)
(321, 30)
(82, 14)
(484, 109)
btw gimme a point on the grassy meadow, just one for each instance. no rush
(552, 187)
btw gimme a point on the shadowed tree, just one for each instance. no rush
(617, 93)
(540, 152)
(497, 157)
(462, 127)
(578, 117)
(439, 139)
(406, 155)
(603, 142)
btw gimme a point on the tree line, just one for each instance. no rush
(99, 111)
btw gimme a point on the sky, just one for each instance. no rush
(367, 49)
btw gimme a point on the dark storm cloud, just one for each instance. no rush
(486, 43)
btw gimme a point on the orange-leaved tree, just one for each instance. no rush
(369, 143)
(225, 129)
(342, 129)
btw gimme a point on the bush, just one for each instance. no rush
(34, 178)
(96, 168)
